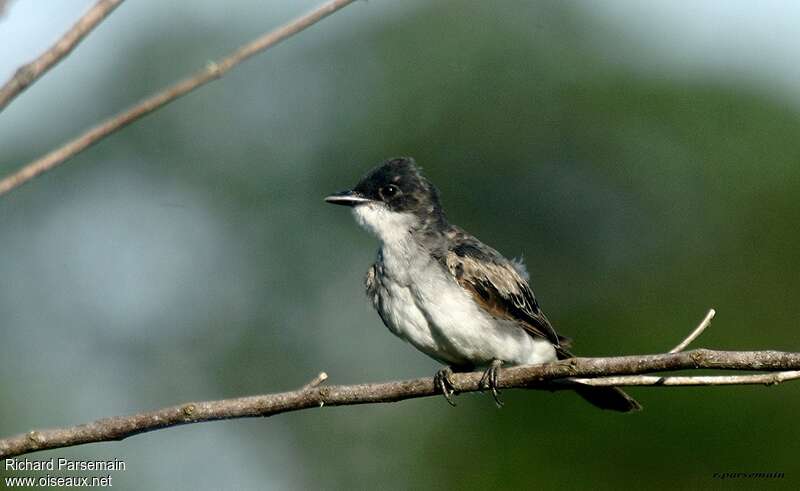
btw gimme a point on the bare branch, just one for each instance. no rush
(27, 74)
(636, 380)
(549, 376)
(212, 71)
(645, 380)
(696, 333)
(317, 381)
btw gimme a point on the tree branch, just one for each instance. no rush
(696, 333)
(549, 376)
(27, 74)
(645, 380)
(212, 71)
(316, 381)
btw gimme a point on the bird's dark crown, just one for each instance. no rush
(399, 184)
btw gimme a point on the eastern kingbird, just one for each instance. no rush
(448, 294)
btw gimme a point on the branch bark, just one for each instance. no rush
(27, 74)
(212, 71)
(552, 376)
(773, 378)
(696, 333)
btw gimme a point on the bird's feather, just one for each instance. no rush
(497, 285)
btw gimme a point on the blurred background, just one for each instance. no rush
(643, 158)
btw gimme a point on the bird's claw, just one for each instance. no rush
(489, 381)
(443, 381)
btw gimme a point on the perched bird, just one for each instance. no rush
(448, 294)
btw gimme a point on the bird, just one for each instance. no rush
(448, 294)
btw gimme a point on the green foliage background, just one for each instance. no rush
(191, 257)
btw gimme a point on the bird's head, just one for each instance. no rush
(393, 199)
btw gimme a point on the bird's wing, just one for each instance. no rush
(497, 285)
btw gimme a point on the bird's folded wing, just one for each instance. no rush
(498, 287)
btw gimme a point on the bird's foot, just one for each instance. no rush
(443, 381)
(489, 380)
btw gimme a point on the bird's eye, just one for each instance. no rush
(390, 191)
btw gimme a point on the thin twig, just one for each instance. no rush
(648, 380)
(533, 376)
(640, 380)
(316, 381)
(696, 333)
(211, 72)
(27, 74)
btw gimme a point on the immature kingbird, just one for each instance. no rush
(448, 294)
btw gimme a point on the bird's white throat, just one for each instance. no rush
(387, 225)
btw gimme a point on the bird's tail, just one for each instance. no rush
(612, 398)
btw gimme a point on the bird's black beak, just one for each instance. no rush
(346, 198)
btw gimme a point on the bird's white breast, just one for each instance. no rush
(422, 303)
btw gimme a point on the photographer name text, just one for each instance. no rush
(64, 464)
